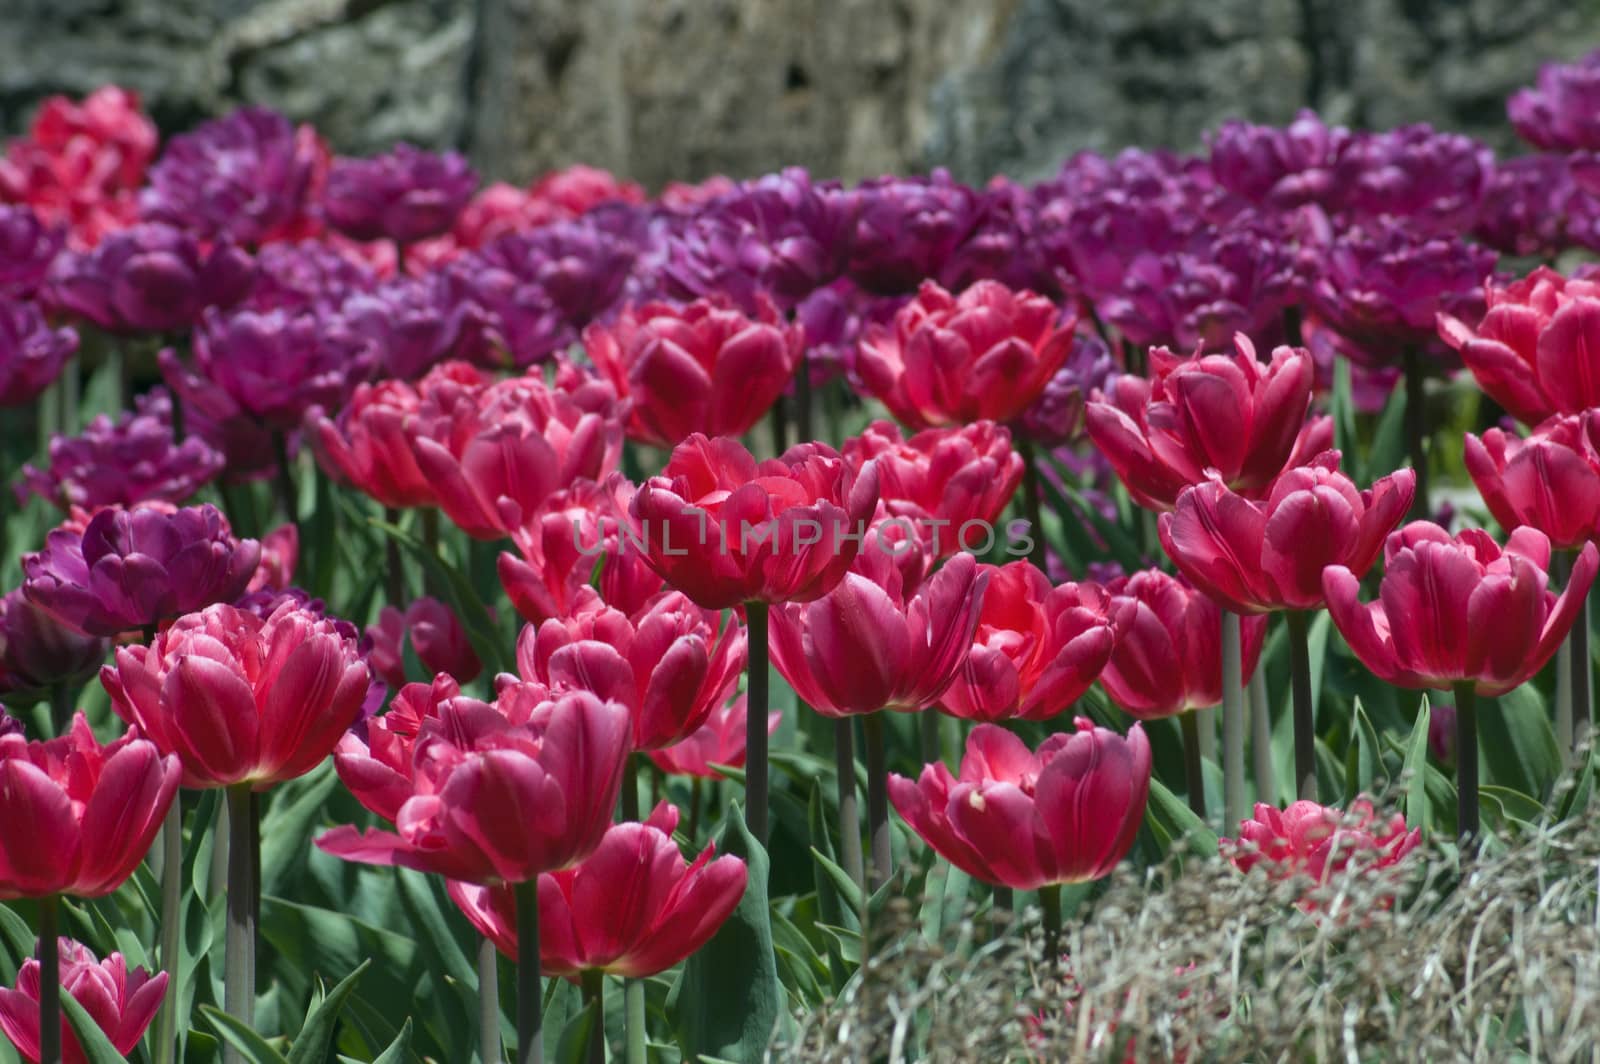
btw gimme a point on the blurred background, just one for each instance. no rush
(659, 90)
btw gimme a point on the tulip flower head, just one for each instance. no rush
(907, 228)
(132, 569)
(1459, 609)
(1024, 820)
(403, 195)
(725, 529)
(374, 759)
(1036, 648)
(32, 353)
(703, 368)
(242, 698)
(719, 741)
(984, 354)
(436, 635)
(1320, 842)
(39, 652)
(150, 278)
(1559, 113)
(120, 1000)
(495, 800)
(1258, 557)
(1232, 414)
(79, 816)
(1168, 653)
(1549, 481)
(633, 908)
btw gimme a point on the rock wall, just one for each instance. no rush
(665, 89)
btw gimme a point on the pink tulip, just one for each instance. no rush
(497, 799)
(1231, 416)
(671, 664)
(1168, 657)
(241, 698)
(1535, 351)
(79, 817)
(1258, 557)
(121, 1002)
(436, 635)
(719, 741)
(1024, 820)
(1036, 649)
(1319, 842)
(868, 645)
(1459, 609)
(373, 758)
(633, 908)
(1549, 481)
(940, 479)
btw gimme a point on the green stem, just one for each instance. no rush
(755, 724)
(928, 724)
(166, 1039)
(1050, 901)
(1261, 741)
(779, 427)
(63, 696)
(1467, 762)
(1560, 569)
(844, 760)
(1232, 721)
(877, 800)
(1193, 773)
(1582, 673)
(1031, 506)
(629, 811)
(633, 998)
(49, 981)
(288, 497)
(1305, 725)
(1416, 428)
(530, 1006)
(240, 979)
(593, 983)
(802, 398)
(428, 518)
(395, 575)
(488, 1003)
(696, 796)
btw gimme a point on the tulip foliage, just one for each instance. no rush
(455, 621)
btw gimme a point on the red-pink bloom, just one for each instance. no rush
(578, 189)
(280, 553)
(495, 455)
(1459, 609)
(1549, 481)
(719, 741)
(940, 479)
(869, 644)
(633, 908)
(373, 758)
(1036, 649)
(1537, 348)
(669, 663)
(369, 447)
(725, 529)
(1231, 414)
(985, 354)
(79, 817)
(436, 635)
(1168, 657)
(496, 800)
(1025, 820)
(1319, 841)
(1258, 557)
(121, 1002)
(705, 367)
(241, 698)
(562, 543)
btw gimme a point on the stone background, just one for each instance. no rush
(680, 89)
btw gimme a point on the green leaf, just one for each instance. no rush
(1388, 450)
(1414, 771)
(573, 1048)
(1510, 808)
(728, 999)
(399, 1050)
(1173, 818)
(1364, 759)
(840, 880)
(1576, 800)
(311, 1044)
(19, 937)
(239, 1035)
(831, 908)
(297, 807)
(1343, 409)
(1519, 746)
(97, 1048)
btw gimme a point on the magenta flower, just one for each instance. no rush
(31, 352)
(131, 569)
(122, 1002)
(403, 195)
(907, 228)
(124, 462)
(38, 652)
(309, 274)
(1319, 842)
(1431, 179)
(1278, 166)
(27, 248)
(1562, 112)
(1549, 481)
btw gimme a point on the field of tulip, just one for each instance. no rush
(1139, 615)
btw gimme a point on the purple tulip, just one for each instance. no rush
(306, 275)
(834, 319)
(507, 320)
(131, 569)
(1382, 291)
(1533, 207)
(270, 366)
(1431, 179)
(1056, 417)
(38, 652)
(580, 266)
(1562, 113)
(1278, 166)
(412, 324)
(27, 247)
(709, 255)
(405, 195)
(244, 177)
(31, 352)
(907, 229)
(125, 462)
(148, 278)
(1000, 246)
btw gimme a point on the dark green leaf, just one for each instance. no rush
(573, 1047)
(311, 1045)
(1413, 771)
(1518, 744)
(242, 1037)
(1174, 820)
